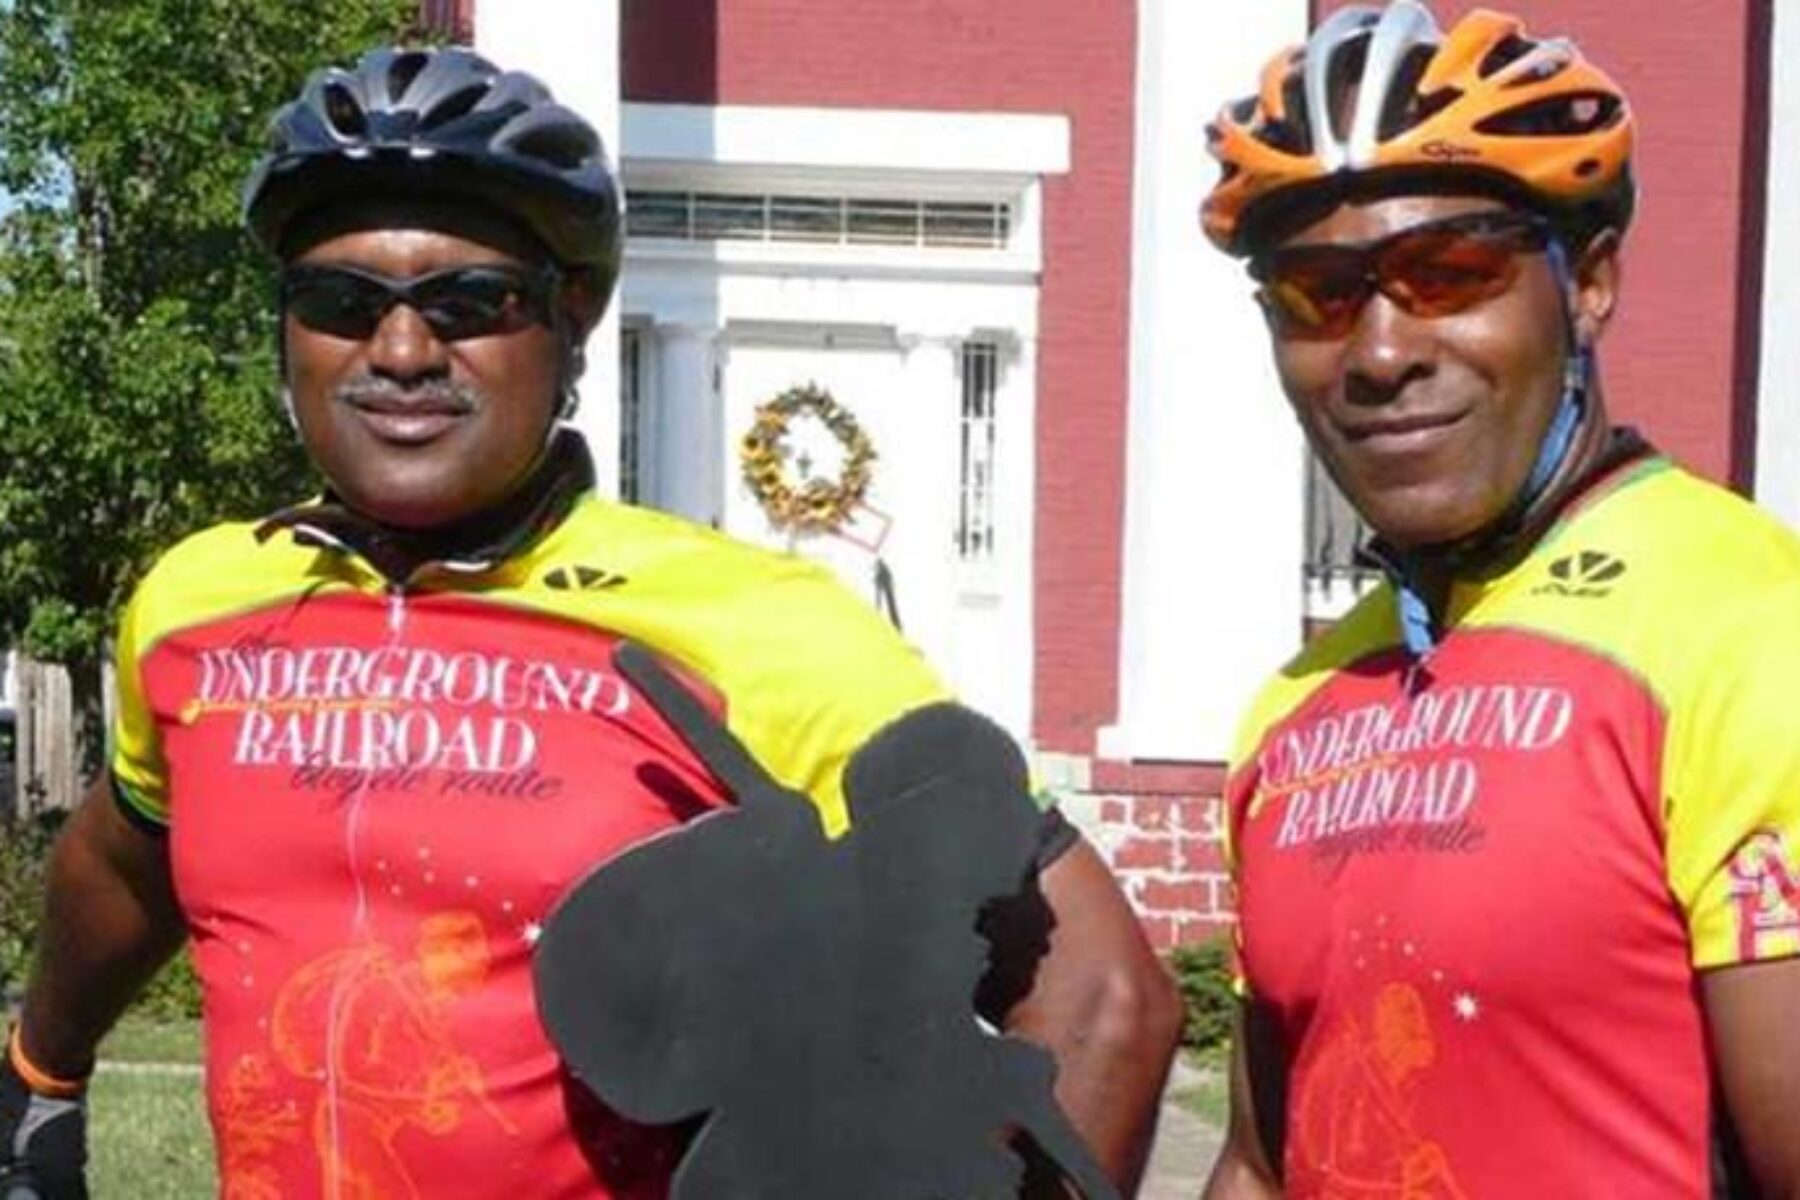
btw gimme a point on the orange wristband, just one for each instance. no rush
(40, 1082)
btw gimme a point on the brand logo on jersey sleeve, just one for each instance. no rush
(1584, 575)
(582, 579)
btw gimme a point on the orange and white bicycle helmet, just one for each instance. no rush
(1382, 97)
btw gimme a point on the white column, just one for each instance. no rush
(686, 417)
(918, 480)
(1214, 513)
(1015, 481)
(1778, 391)
(573, 46)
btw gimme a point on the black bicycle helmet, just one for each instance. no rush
(442, 121)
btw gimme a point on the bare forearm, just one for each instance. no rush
(109, 921)
(1108, 1011)
(1112, 1063)
(1258, 1086)
(1234, 1179)
(1749, 1011)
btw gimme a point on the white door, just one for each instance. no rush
(905, 399)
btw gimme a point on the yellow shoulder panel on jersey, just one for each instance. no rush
(1697, 593)
(1368, 628)
(808, 671)
(223, 571)
(217, 573)
(1640, 575)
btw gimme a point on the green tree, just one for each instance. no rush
(138, 393)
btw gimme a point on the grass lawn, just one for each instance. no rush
(148, 1138)
(138, 1040)
(147, 1132)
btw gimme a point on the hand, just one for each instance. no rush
(43, 1141)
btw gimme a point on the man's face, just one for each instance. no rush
(415, 428)
(1429, 424)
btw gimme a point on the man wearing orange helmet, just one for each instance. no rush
(1515, 842)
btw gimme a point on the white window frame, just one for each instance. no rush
(1778, 376)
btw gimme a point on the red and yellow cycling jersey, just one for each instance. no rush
(373, 797)
(1475, 893)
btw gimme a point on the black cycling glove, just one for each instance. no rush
(43, 1136)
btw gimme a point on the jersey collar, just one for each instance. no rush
(1422, 580)
(400, 556)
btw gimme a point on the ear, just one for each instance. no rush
(1597, 278)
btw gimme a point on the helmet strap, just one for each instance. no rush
(1406, 573)
(1559, 437)
(571, 362)
(281, 376)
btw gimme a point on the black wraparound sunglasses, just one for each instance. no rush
(458, 302)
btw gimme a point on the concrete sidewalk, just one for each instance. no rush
(1184, 1151)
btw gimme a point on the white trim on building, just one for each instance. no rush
(933, 144)
(1778, 394)
(1214, 494)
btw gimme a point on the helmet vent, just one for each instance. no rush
(346, 116)
(1585, 111)
(406, 68)
(1507, 51)
(1342, 83)
(1557, 116)
(1404, 107)
(1549, 63)
(1427, 107)
(457, 104)
(1293, 134)
(1285, 136)
(558, 146)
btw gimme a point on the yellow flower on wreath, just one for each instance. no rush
(811, 505)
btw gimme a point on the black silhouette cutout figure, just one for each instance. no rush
(813, 999)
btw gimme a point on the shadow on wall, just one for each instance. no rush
(671, 51)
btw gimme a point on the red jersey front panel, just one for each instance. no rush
(1456, 895)
(374, 803)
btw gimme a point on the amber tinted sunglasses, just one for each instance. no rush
(461, 302)
(1316, 292)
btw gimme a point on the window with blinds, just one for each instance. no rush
(826, 220)
(975, 528)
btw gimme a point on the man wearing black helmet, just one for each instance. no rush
(365, 744)
(1516, 842)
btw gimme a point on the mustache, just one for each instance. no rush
(451, 394)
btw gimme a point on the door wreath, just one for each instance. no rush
(808, 504)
